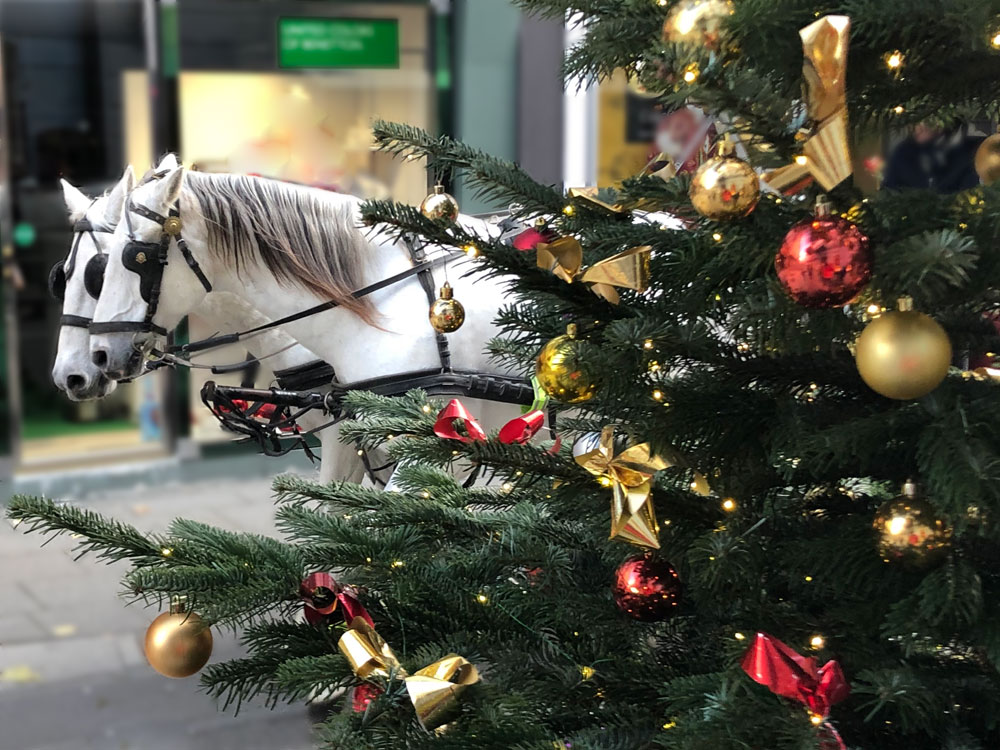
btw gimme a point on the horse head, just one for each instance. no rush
(76, 281)
(152, 280)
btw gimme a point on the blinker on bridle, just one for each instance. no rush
(93, 272)
(148, 260)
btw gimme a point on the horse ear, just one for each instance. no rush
(168, 162)
(167, 190)
(76, 202)
(116, 198)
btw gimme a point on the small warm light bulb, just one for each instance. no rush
(739, 636)
(398, 563)
(647, 344)
(426, 408)
(801, 160)
(482, 598)
(809, 579)
(587, 672)
(894, 60)
(874, 309)
(691, 72)
(425, 494)
(658, 395)
(166, 551)
(604, 481)
(506, 486)
(995, 41)
(817, 641)
(898, 109)
(729, 504)
(360, 452)
(717, 237)
(568, 210)
(816, 719)
(670, 725)
(662, 3)
(472, 251)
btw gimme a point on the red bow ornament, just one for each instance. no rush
(521, 429)
(322, 594)
(773, 664)
(444, 427)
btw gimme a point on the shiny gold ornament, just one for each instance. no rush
(178, 643)
(560, 373)
(433, 690)
(826, 154)
(903, 354)
(630, 476)
(910, 531)
(439, 205)
(724, 187)
(988, 160)
(628, 269)
(698, 22)
(446, 314)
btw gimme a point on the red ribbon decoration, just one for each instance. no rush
(776, 666)
(521, 429)
(444, 427)
(530, 238)
(315, 611)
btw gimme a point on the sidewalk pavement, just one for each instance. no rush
(72, 672)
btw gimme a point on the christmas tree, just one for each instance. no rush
(769, 388)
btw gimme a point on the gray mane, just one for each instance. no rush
(296, 234)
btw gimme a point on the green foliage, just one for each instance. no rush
(718, 370)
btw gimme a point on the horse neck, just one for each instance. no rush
(402, 341)
(228, 313)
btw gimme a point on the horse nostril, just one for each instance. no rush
(75, 383)
(99, 357)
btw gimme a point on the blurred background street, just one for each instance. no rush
(72, 672)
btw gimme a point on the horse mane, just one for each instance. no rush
(296, 234)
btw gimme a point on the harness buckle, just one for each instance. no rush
(172, 225)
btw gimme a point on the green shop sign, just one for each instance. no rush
(338, 43)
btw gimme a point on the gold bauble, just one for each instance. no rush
(988, 160)
(903, 354)
(910, 531)
(724, 187)
(700, 22)
(178, 644)
(439, 205)
(446, 314)
(559, 371)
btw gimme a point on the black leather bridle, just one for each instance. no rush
(148, 260)
(93, 272)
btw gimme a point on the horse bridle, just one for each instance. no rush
(93, 272)
(148, 260)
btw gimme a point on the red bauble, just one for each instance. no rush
(824, 261)
(647, 589)
(364, 694)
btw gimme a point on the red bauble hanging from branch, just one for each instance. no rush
(646, 588)
(824, 261)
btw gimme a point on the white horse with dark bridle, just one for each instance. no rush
(78, 282)
(284, 249)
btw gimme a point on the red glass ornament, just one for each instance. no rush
(364, 694)
(824, 261)
(531, 237)
(647, 589)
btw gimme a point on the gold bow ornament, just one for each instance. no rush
(434, 690)
(630, 476)
(826, 154)
(588, 196)
(628, 269)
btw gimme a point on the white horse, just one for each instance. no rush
(284, 248)
(75, 373)
(73, 370)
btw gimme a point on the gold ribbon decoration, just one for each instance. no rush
(433, 690)
(628, 269)
(826, 152)
(630, 475)
(588, 197)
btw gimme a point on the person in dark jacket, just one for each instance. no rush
(934, 159)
